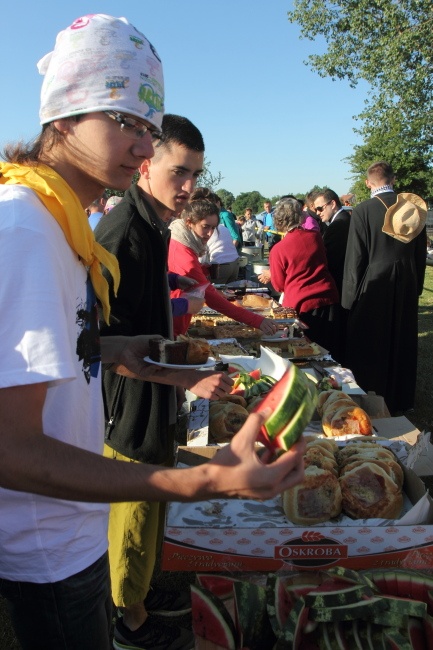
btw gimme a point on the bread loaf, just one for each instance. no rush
(256, 301)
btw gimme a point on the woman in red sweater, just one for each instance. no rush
(299, 269)
(189, 235)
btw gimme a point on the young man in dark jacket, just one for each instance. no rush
(140, 416)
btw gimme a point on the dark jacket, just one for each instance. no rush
(335, 240)
(137, 412)
(383, 279)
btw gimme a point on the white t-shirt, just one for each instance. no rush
(221, 248)
(48, 333)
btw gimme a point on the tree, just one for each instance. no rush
(227, 198)
(253, 200)
(208, 179)
(387, 43)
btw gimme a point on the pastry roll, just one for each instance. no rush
(316, 499)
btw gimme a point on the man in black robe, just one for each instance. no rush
(383, 279)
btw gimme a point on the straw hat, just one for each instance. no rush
(405, 219)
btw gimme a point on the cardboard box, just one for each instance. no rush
(257, 542)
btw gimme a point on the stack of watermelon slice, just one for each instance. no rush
(337, 609)
(292, 400)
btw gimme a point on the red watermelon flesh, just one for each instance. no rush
(416, 634)
(211, 620)
(292, 405)
(220, 586)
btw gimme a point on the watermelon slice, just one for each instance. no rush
(220, 586)
(252, 617)
(292, 403)
(211, 620)
(283, 592)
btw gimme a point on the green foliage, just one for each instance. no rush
(388, 44)
(226, 197)
(253, 200)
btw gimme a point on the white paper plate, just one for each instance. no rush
(209, 364)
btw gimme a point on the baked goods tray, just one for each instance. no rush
(227, 346)
(324, 354)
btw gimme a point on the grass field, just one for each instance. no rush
(422, 417)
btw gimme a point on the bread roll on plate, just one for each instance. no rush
(316, 499)
(369, 492)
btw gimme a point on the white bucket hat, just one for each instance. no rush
(102, 63)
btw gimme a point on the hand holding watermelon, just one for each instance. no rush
(237, 471)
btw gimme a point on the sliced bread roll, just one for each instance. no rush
(369, 492)
(316, 499)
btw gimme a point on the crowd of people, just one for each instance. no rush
(85, 421)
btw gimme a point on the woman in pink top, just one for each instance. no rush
(189, 236)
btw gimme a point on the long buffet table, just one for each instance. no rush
(223, 535)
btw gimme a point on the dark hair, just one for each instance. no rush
(196, 211)
(30, 153)
(381, 171)
(204, 193)
(179, 130)
(287, 215)
(329, 195)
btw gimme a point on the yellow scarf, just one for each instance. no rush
(64, 205)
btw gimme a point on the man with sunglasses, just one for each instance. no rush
(336, 219)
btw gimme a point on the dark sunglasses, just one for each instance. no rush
(321, 207)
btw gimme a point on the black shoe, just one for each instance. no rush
(167, 603)
(152, 635)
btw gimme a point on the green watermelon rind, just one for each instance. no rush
(292, 629)
(343, 596)
(295, 428)
(294, 393)
(220, 627)
(252, 616)
(405, 606)
(362, 609)
(393, 639)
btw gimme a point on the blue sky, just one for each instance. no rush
(234, 67)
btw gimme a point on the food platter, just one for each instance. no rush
(281, 335)
(190, 366)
